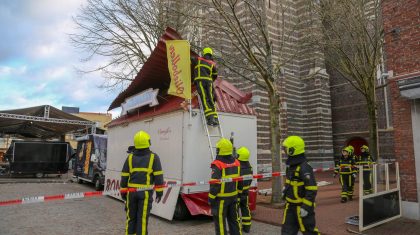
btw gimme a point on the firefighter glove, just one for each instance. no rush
(124, 196)
(354, 175)
(211, 202)
(335, 174)
(283, 193)
(303, 213)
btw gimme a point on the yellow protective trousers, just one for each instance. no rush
(293, 222)
(347, 185)
(226, 210)
(245, 211)
(138, 206)
(205, 90)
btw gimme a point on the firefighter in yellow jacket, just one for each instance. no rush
(300, 190)
(205, 72)
(243, 196)
(141, 170)
(347, 170)
(223, 195)
(355, 171)
(366, 161)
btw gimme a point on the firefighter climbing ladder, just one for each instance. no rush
(206, 128)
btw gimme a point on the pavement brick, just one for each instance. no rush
(93, 216)
(330, 213)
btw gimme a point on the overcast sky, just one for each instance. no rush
(37, 61)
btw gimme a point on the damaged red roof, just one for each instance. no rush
(155, 74)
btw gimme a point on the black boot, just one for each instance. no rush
(343, 200)
(350, 198)
(246, 229)
(215, 121)
(209, 120)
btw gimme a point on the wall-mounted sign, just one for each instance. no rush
(147, 97)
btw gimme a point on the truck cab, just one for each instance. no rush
(89, 162)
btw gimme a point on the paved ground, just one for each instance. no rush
(106, 216)
(5, 179)
(86, 216)
(331, 214)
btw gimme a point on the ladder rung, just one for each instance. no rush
(215, 136)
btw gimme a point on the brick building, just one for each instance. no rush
(350, 119)
(326, 110)
(402, 60)
(305, 100)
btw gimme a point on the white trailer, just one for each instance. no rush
(177, 135)
(182, 145)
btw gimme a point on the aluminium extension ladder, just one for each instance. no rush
(210, 136)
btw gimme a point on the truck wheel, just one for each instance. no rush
(39, 175)
(181, 210)
(97, 183)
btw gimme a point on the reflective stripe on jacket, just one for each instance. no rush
(300, 185)
(205, 70)
(226, 167)
(142, 169)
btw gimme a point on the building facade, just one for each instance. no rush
(101, 120)
(305, 94)
(350, 118)
(402, 60)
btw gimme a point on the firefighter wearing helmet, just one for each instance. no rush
(347, 170)
(223, 195)
(366, 161)
(299, 191)
(243, 196)
(205, 73)
(142, 169)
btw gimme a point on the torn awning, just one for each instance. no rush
(155, 74)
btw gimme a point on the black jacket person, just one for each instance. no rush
(300, 190)
(142, 170)
(223, 195)
(347, 170)
(366, 161)
(244, 185)
(205, 72)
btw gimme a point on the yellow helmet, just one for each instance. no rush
(224, 147)
(351, 148)
(294, 145)
(243, 154)
(141, 140)
(207, 50)
(366, 148)
(347, 149)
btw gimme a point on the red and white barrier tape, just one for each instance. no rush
(36, 199)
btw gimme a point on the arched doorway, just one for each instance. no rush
(356, 142)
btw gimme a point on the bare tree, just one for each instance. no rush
(352, 39)
(124, 33)
(250, 55)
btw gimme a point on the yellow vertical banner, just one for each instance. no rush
(178, 53)
(87, 159)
